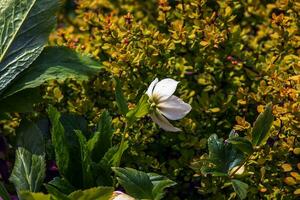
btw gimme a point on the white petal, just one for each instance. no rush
(165, 88)
(151, 86)
(117, 195)
(174, 108)
(163, 123)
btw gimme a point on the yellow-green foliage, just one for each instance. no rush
(231, 58)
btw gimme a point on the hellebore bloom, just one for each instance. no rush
(165, 105)
(118, 195)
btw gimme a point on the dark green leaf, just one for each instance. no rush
(136, 183)
(59, 141)
(102, 139)
(141, 109)
(85, 160)
(160, 183)
(57, 63)
(25, 27)
(120, 99)
(29, 171)
(99, 193)
(56, 192)
(62, 185)
(222, 157)
(262, 125)
(240, 188)
(3, 193)
(30, 137)
(242, 144)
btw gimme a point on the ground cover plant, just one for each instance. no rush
(159, 99)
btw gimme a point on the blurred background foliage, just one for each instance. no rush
(231, 58)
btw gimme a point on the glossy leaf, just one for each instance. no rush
(136, 183)
(240, 188)
(24, 29)
(29, 171)
(222, 157)
(262, 125)
(242, 144)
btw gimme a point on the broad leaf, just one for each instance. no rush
(141, 109)
(3, 193)
(57, 63)
(24, 29)
(222, 157)
(30, 137)
(136, 183)
(26, 195)
(242, 144)
(56, 193)
(29, 171)
(85, 160)
(261, 127)
(120, 99)
(102, 139)
(240, 188)
(99, 193)
(160, 183)
(62, 185)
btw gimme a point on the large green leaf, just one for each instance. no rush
(141, 109)
(29, 171)
(240, 188)
(262, 125)
(99, 193)
(102, 138)
(24, 29)
(3, 193)
(57, 63)
(62, 185)
(222, 157)
(160, 183)
(242, 144)
(136, 183)
(30, 137)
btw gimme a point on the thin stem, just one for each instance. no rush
(237, 169)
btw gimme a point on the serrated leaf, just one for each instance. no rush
(261, 127)
(242, 144)
(99, 193)
(3, 193)
(102, 139)
(120, 99)
(240, 188)
(160, 183)
(222, 157)
(30, 137)
(26, 195)
(24, 29)
(29, 171)
(59, 141)
(85, 160)
(136, 183)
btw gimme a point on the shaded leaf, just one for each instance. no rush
(62, 185)
(25, 27)
(102, 139)
(240, 188)
(242, 144)
(141, 109)
(3, 193)
(120, 99)
(262, 125)
(29, 171)
(136, 183)
(160, 183)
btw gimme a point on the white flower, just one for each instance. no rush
(118, 195)
(165, 104)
